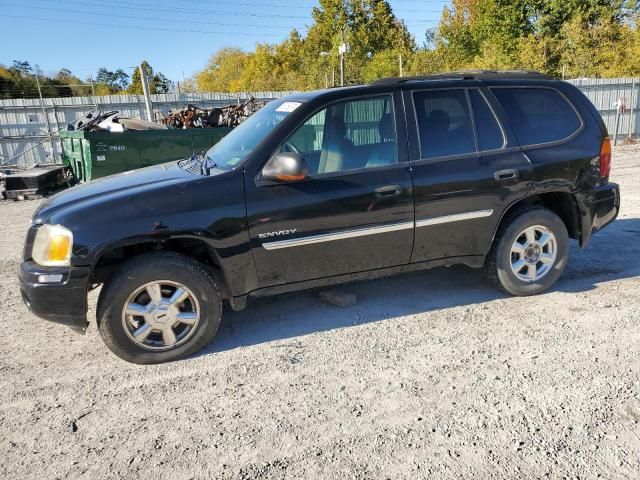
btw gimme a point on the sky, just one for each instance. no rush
(176, 37)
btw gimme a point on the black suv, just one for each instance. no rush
(489, 169)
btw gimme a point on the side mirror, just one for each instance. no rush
(285, 167)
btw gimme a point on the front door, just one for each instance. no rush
(467, 167)
(353, 212)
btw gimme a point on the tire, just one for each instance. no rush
(178, 323)
(505, 257)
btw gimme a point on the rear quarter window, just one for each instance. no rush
(538, 115)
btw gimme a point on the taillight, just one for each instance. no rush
(605, 158)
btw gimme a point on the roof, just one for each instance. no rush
(447, 76)
(312, 94)
(468, 75)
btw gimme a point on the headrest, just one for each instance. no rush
(337, 128)
(385, 127)
(438, 120)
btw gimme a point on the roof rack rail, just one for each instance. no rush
(468, 75)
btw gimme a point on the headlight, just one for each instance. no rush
(52, 246)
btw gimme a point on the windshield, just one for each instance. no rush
(241, 141)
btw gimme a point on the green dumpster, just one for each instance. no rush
(92, 155)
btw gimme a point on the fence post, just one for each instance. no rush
(46, 117)
(59, 142)
(632, 118)
(145, 91)
(617, 124)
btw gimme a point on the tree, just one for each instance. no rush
(158, 82)
(162, 83)
(606, 48)
(273, 67)
(19, 81)
(76, 86)
(21, 68)
(223, 71)
(301, 62)
(188, 85)
(368, 26)
(383, 64)
(109, 82)
(586, 37)
(136, 80)
(7, 83)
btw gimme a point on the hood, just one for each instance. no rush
(123, 185)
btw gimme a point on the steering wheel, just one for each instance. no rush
(290, 147)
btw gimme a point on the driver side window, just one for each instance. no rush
(346, 136)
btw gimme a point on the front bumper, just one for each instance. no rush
(62, 302)
(598, 208)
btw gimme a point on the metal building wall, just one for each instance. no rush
(604, 93)
(24, 125)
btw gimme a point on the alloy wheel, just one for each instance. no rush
(161, 315)
(533, 253)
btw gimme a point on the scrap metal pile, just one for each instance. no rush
(196, 117)
(190, 117)
(96, 121)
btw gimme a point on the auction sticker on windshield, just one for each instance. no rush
(288, 107)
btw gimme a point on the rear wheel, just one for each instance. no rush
(159, 307)
(529, 253)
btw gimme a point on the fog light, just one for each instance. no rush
(57, 278)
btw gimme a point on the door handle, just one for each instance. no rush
(388, 191)
(509, 174)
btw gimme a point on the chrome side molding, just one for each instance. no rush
(361, 232)
(457, 217)
(328, 237)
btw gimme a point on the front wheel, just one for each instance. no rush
(158, 308)
(529, 253)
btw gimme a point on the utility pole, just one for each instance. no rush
(93, 88)
(145, 90)
(400, 59)
(342, 50)
(44, 113)
(326, 65)
(343, 47)
(632, 118)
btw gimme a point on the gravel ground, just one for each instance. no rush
(431, 375)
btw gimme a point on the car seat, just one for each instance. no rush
(336, 147)
(384, 153)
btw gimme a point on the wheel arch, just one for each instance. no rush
(562, 203)
(111, 257)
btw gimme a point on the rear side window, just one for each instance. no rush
(490, 135)
(538, 115)
(444, 123)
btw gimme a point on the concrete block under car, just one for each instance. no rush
(338, 298)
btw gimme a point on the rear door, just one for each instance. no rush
(546, 124)
(354, 211)
(467, 168)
